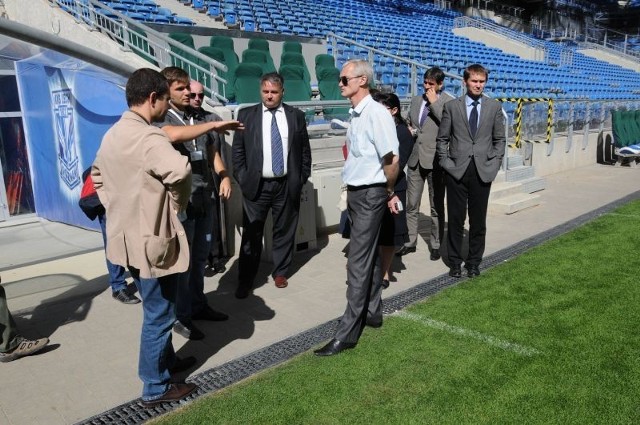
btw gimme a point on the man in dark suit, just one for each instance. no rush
(470, 147)
(271, 162)
(425, 114)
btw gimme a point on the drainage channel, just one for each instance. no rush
(236, 370)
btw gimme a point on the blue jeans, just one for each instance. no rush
(190, 298)
(116, 272)
(156, 350)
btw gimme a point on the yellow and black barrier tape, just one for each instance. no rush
(518, 117)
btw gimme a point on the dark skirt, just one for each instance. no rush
(394, 231)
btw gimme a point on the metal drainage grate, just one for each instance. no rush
(236, 370)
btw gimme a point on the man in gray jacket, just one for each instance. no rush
(470, 147)
(425, 114)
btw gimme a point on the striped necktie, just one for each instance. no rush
(277, 157)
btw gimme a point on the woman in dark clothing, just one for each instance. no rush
(394, 232)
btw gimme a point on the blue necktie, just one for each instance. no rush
(277, 159)
(473, 118)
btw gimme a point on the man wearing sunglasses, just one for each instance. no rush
(220, 178)
(370, 173)
(192, 137)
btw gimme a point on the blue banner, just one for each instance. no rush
(67, 106)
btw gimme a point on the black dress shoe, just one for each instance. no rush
(455, 271)
(207, 313)
(405, 250)
(174, 393)
(385, 283)
(334, 347)
(374, 323)
(182, 364)
(472, 270)
(435, 254)
(243, 291)
(218, 267)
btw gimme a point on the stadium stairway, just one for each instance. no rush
(515, 188)
(198, 18)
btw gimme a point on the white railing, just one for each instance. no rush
(611, 40)
(541, 51)
(155, 47)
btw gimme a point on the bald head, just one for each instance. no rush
(197, 94)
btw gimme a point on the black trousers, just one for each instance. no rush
(471, 192)
(273, 195)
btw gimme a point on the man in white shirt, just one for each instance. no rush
(370, 173)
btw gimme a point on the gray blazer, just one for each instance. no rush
(456, 147)
(424, 150)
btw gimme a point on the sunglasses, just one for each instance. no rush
(199, 95)
(345, 80)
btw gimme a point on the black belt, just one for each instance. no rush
(366, 186)
(275, 179)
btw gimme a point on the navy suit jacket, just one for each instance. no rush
(247, 155)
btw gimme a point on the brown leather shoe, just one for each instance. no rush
(176, 392)
(281, 281)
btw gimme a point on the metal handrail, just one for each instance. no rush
(152, 46)
(542, 53)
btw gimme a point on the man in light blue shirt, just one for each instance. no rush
(370, 173)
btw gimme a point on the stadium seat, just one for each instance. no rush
(296, 88)
(198, 5)
(324, 61)
(258, 57)
(329, 90)
(263, 45)
(187, 40)
(291, 47)
(248, 25)
(247, 83)
(290, 58)
(214, 11)
(218, 55)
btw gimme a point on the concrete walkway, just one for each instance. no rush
(56, 281)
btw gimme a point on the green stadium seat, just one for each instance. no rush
(324, 61)
(291, 47)
(247, 83)
(290, 58)
(218, 55)
(187, 40)
(296, 88)
(263, 45)
(256, 56)
(329, 90)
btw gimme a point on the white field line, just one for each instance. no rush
(487, 339)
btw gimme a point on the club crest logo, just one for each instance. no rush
(65, 137)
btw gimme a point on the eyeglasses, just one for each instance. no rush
(345, 80)
(199, 95)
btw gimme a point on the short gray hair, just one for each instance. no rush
(361, 67)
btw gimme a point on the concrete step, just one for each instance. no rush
(519, 173)
(503, 189)
(514, 203)
(534, 184)
(514, 160)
